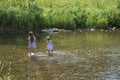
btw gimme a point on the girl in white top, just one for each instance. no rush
(49, 46)
(31, 42)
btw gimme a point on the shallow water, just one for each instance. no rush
(77, 56)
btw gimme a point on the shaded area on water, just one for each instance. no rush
(77, 56)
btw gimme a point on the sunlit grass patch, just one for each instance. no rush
(5, 71)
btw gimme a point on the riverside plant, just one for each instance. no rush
(5, 69)
(37, 14)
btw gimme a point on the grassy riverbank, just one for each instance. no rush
(26, 15)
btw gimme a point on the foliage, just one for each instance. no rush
(25, 15)
(20, 15)
(6, 78)
(5, 71)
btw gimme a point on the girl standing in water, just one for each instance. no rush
(31, 43)
(49, 46)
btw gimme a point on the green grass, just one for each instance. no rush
(7, 78)
(68, 14)
(5, 71)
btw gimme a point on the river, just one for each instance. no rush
(77, 56)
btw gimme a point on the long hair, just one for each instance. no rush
(31, 37)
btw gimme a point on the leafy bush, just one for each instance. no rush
(24, 15)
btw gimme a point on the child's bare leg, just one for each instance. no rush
(30, 51)
(34, 51)
(52, 51)
(48, 52)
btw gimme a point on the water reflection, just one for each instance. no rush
(77, 56)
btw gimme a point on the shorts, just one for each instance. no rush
(49, 47)
(32, 46)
